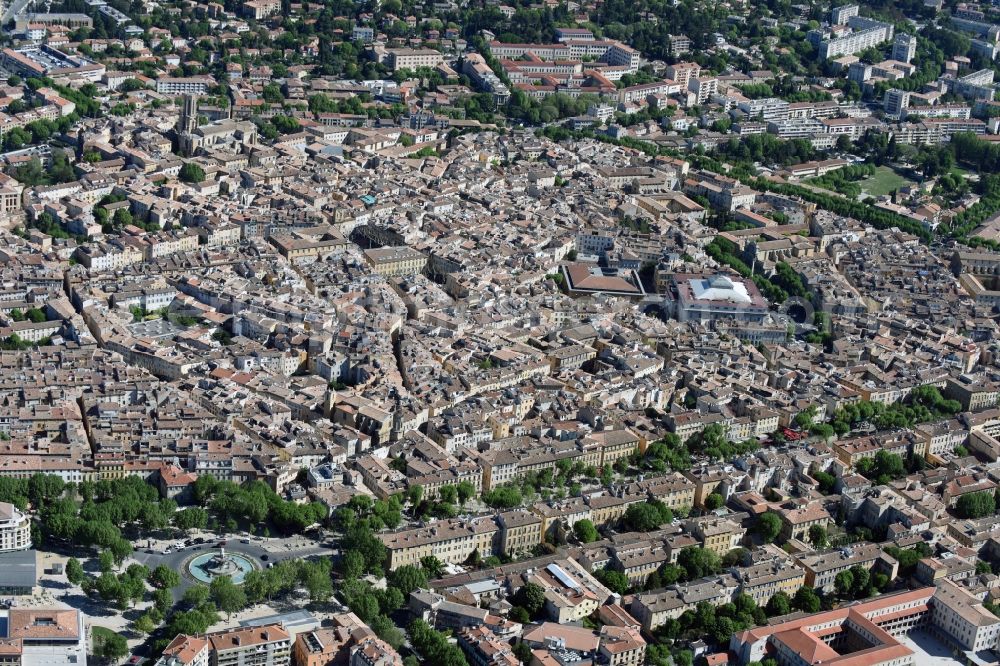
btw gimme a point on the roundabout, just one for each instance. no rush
(209, 566)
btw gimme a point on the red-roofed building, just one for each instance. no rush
(863, 634)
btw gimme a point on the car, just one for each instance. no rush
(244, 540)
(264, 557)
(149, 551)
(200, 540)
(221, 544)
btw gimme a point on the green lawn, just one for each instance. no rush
(882, 182)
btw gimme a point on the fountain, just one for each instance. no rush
(209, 566)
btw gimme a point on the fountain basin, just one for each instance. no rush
(208, 566)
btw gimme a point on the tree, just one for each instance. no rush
(714, 501)
(698, 562)
(503, 497)
(768, 527)
(316, 579)
(227, 595)
(825, 480)
(191, 173)
(646, 516)
(109, 644)
(466, 491)
(448, 494)
(191, 518)
(196, 595)
(144, 624)
(434, 647)
(163, 600)
(585, 531)
(408, 578)
(862, 583)
(120, 549)
(779, 604)
(818, 536)
(352, 565)
(106, 561)
(530, 597)
(122, 217)
(976, 505)
(614, 580)
(164, 577)
(414, 494)
(843, 583)
(387, 631)
(432, 565)
(807, 600)
(272, 94)
(74, 571)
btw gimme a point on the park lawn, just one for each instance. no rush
(883, 181)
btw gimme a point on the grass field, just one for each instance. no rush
(882, 182)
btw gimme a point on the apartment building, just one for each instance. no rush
(703, 88)
(964, 619)
(683, 72)
(451, 541)
(186, 650)
(767, 109)
(867, 33)
(484, 648)
(571, 593)
(395, 261)
(520, 532)
(398, 59)
(622, 646)
(719, 535)
(796, 521)
(373, 651)
(973, 392)
(270, 645)
(896, 101)
(904, 48)
(821, 569)
(762, 581)
(841, 15)
(15, 528)
(194, 85)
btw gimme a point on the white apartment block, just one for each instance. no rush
(867, 33)
(413, 58)
(195, 85)
(15, 528)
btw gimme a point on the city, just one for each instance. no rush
(558, 333)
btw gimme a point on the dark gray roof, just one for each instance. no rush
(19, 569)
